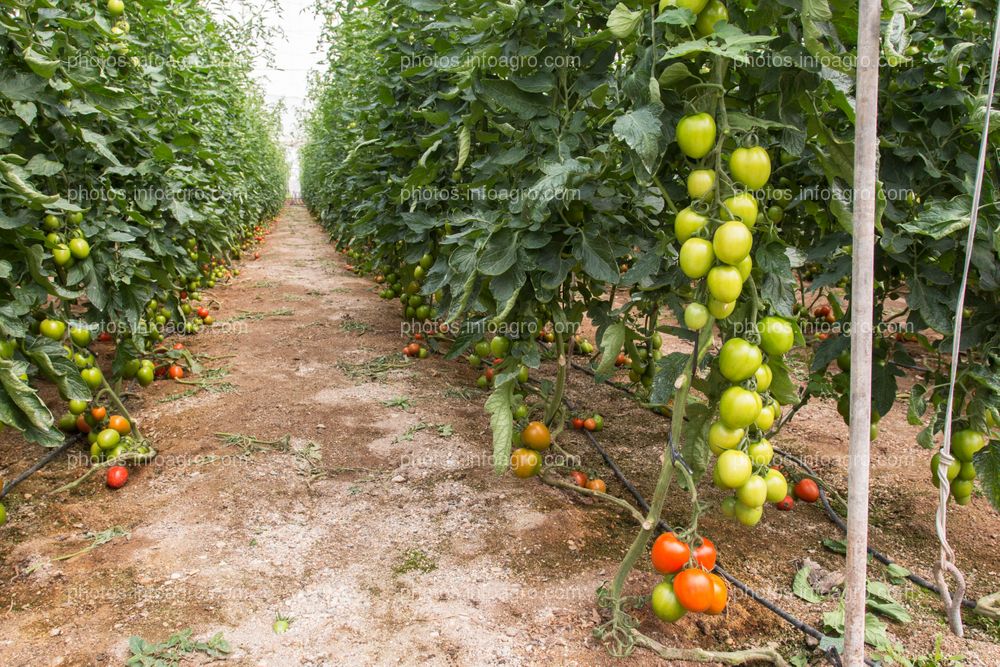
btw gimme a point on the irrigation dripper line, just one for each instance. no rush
(44, 461)
(877, 555)
(831, 654)
(828, 509)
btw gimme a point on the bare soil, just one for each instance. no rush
(374, 520)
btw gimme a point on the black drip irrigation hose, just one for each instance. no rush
(827, 508)
(877, 555)
(831, 653)
(44, 461)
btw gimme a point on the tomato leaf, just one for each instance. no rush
(641, 130)
(802, 588)
(622, 21)
(500, 408)
(668, 369)
(695, 447)
(611, 340)
(783, 389)
(987, 463)
(880, 601)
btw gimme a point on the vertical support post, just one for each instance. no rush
(862, 307)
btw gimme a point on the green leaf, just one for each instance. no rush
(52, 361)
(897, 573)
(32, 410)
(836, 546)
(622, 21)
(39, 64)
(695, 448)
(499, 407)
(987, 463)
(880, 601)
(641, 130)
(917, 406)
(611, 340)
(668, 369)
(940, 219)
(506, 95)
(803, 589)
(783, 389)
(99, 143)
(26, 111)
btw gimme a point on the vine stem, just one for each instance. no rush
(620, 502)
(673, 654)
(663, 482)
(555, 401)
(120, 406)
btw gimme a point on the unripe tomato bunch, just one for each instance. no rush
(415, 305)
(689, 585)
(716, 252)
(708, 13)
(961, 473)
(746, 412)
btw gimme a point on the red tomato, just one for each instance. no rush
(669, 554)
(99, 413)
(579, 478)
(706, 554)
(597, 485)
(117, 476)
(489, 374)
(590, 424)
(821, 312)
(785, 505)
(105, 337)
(179, 346)
(720, 595)
(203, 312)
(577, 423)
(81, 424)
(175, 372)
(807, 491)
(694, 589)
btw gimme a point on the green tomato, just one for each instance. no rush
(62, 255)
(961, 488)
(967, 472)
(80, 336)
(482, 349)
(92, 377)
(745, 267)
(51, 223)
(953, 470)
(965, 444)
(734, 468)
(748, 516)
(750, 166)
(725, 283)
(474, 360)
(761, 452)
(694, 5)
(108, 439)
(765, 420)
(522, 374)
(739, 359)
(53, 329)
(720, 310)
(521, 411)
(145, 376)
(777, 486)
(75, 218)
(696, 258)
(67, 423)
(77, 407)
(665, 604)
(721, 437)
(79, 248)
(700, 183)
(426, 262)
(7, 349)
(116, 7)
(598, 422)
(776, 335)
(728, 507)
(687, 223)
(764, 376)
(696, 135)
(738, 407)
(713, 12)
(499, 346)
(695, 316)
(131, 368)
(742, 207)
(753, 492)
(732, 242)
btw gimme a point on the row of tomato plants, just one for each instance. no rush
(138, 162)
(681, 168)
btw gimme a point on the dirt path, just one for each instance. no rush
(380, 528)
(382, 533)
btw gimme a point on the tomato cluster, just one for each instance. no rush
(961, 473)
(689, 585)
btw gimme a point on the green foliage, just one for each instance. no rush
(150, 128)
(175, 650)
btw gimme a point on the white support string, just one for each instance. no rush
(946, 562)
